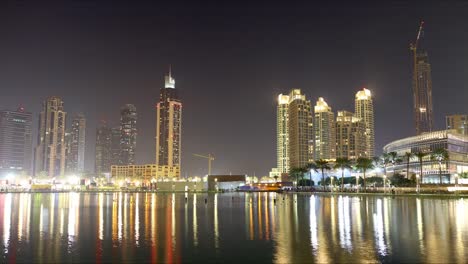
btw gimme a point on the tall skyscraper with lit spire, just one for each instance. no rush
(282, 138)
(168, 125)
(364, 110)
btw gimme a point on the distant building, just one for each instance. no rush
(350, 136)
(457, 122)
(115, 146)
(455, 143)
(103, 149)
(168, 125)
(422, 93)
(15, 141)
(50, 150)
(325, 131)
(364, 110)
(76, 145)
(143, 173)
(128, 134)
(299, 130)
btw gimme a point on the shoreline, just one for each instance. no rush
(421, 195)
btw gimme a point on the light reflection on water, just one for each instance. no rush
(262, 227)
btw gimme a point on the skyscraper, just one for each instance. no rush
(325, 131)
(15, 141)
(422, 93)
(168, 125)
(50, 150)
(299, 130)
(282, 135)
(364, 110)
(350, 136)
(76, 145)
(103, 149)
(458, 122)
(115, 146)
(128, 134)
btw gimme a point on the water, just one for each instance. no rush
(235, 228)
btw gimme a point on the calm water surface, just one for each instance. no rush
(145, 227)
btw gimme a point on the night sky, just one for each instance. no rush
(230, 60)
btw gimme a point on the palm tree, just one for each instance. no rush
(309, 167)
(342, 163)
(394, 159)
(440, 155)
(408, 156)
(420, 156)
(364, 164)
(323, 165)
(297, 173)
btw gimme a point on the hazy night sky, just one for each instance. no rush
(230, 61)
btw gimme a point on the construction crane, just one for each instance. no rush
(210, 158)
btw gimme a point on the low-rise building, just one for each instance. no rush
(453, 142)
(143, 173)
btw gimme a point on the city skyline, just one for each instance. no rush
(100, 90)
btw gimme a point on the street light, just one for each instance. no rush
(417, 183)
(384, 183)
(357, 183)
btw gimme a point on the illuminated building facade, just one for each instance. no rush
(143, 173)
(50, 150)
(455, 143)
(76, 145)
(422, 94)
(325, 131)
(364, 110)
(103, 149)
(350, 136)
(128, 134)
(168, 125)
(299, 130)
(282, 135)
(458, 122)
(15, 141)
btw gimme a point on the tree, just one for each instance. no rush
(297, 173)
(394, 159)
(309, 167)
(323, 165)
(440, 155)
(342, 163)
(383, 161)
(421, 156)
(408, 156)
(364, 164)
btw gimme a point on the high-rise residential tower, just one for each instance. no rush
(364, 110)
(50, 150)
(422, 94)
(282, 135)
(458, 122)
(15, 141)
(325, 131)
(76, 145)
(128, 134)
(299, 130)
(168, 125)
(350, 136)
(103, 149)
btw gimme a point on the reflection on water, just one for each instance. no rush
(264, 227)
